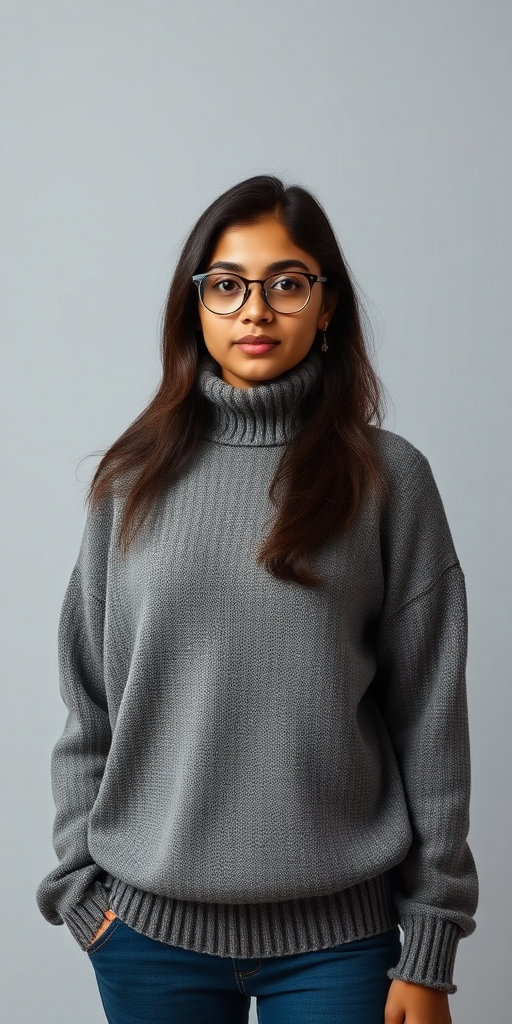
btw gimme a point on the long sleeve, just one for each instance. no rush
(72, 892)
(422, 649)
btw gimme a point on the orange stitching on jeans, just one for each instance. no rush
(102, 939)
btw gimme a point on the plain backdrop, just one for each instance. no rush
(121, 121)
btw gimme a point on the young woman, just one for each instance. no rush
(265, 768)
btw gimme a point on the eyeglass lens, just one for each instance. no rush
(225, 293)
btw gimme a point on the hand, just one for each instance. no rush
(109, 916)
(408, 1003)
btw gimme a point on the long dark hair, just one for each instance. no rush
(330, 463)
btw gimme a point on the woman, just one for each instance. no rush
(265, 767)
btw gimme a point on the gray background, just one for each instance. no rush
(121, 121)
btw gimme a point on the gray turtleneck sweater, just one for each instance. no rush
(251, 767)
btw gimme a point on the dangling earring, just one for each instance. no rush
(324, 343)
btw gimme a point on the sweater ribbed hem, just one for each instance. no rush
(278, 929)
(428, 954)
(84, 919)
(259, 929)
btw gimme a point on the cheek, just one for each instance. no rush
(211, 328)
(304, 328)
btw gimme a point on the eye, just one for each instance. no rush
(286, 283)
(225, 285)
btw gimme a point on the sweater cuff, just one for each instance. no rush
(428, 953)
(84, 919)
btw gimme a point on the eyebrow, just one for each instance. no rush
(239, 268)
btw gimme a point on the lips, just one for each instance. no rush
(260, 339)
(256, 349)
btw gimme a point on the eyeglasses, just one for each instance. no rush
(225, 293)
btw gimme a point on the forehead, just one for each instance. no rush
(257, 245)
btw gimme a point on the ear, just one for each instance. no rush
(328, 306)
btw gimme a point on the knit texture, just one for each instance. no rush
(251, 767)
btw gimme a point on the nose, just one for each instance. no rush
(255, 308)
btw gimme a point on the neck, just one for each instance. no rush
(268, 413)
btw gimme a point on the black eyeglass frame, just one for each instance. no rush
(199, 278)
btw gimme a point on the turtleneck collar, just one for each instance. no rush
(265, 414)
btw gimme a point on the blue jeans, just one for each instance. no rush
(143, 980)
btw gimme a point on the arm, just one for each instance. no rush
(421, 691)
(72, 892)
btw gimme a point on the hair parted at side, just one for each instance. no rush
(330, 465)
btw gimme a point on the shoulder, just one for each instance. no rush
(414, 494)
(414, 522)
(397, 456)
(406, 470)
(103, 517)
